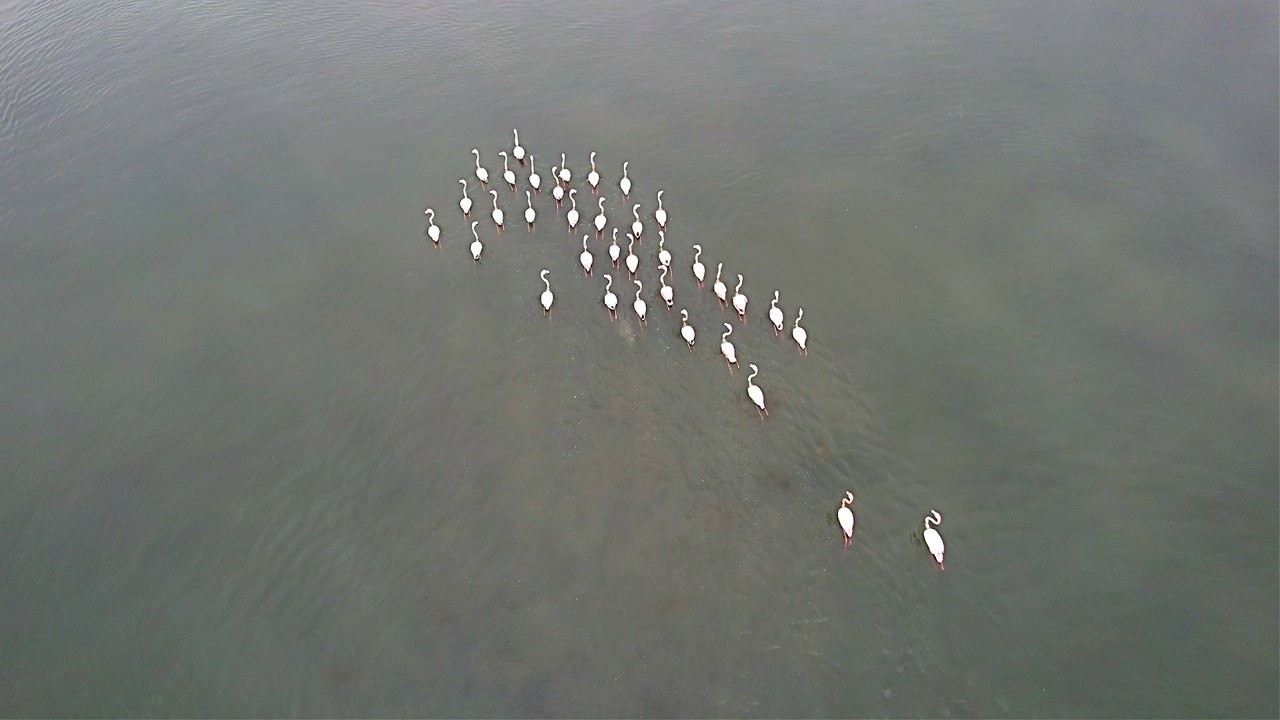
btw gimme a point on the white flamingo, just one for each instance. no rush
(625, 182)
(726, 348)
(481, 174)
(593, 177)
(686, 330)
(572, 217)
(699, 270)
(610, 300)
(719, 287)
(614, 251)
(547, 297)
(465, 202)
(633, 260)
(477, 247)
(639, 305)
(932, 538)
(585, 259)
(755, 393)
(497, 211)
(565, 175)
(433, 232)
(775, 314)
(600, 219)
(660, 215)
(529, 213)
(517, 152)
(739, 300)
(557, 192)
(666, 293)
(664, 256)
(845, 514)
(800, 334)
(507, 175)
(636, 227)
(535, 180)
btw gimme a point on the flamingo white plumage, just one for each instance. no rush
(572, 216)
(565, 175)
(933, 538)
(585, 259)
(593, 177)
(845, 514)
(633, 260)
(497, 211)
(547, 296)
(507, 175)
(477, 247)
(660, 215)
(535, 180)
(517, 152)
(465, 202)
(481, 174)
(719, 287)
(529, 214)
(625, 183)
(686, 330)
(755, 393)
(699, 270)
(775, 314)
(666, 293)
(800, 334)
(729, 352)
(636, 227)
(610, 300)
(639, 305)
(664, 255)
(600, 219)
(739, 300)
(433, 232)
(557, 192)
(614, 251)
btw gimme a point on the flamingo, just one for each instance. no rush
(660, 215)
(517, 152)
(755, 393)
(565, 175)
(775, 314)
(507, 175)
(726, 348)
(557, 192)
(547, 297)
(664, 256)
(614, 250)
(719, 287)
(477, 247)
(529, 213)
(497, 212)
(686, 330)
(625, 182)
(845, 514)
(600, 219)
(465, 202)
(740, 300)
(799, 333)
(535, 180)
(572, 217)
(633, 260)
(932, 538)
(433, 232)
(699, 270)
(585, 258)
(610, 300)
(636, 227)
(639, 304)
(481, 174)
(593, 177)
(666, 293)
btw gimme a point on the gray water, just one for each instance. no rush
(264, 451)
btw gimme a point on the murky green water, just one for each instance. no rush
(263, 451)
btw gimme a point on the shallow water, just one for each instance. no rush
(266, 452)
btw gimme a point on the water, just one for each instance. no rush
(265, 452)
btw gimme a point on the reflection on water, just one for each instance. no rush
(267, 452)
